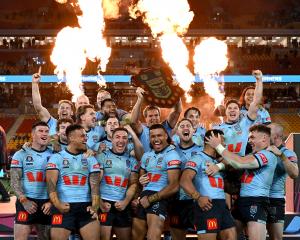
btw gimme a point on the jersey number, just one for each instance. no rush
(235, 149)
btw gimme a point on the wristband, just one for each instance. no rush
(221, 166)
(195, 195)
(220, 149)
(153, 198)
(23, 199)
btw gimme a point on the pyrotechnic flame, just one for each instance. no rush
(74, 45)
(209, 60)
(111, 8)
(169, 19)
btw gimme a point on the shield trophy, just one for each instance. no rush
(160, 88)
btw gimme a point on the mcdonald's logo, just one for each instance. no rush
(212, 224)
(57, 219)
(103, 217)
(22, 216)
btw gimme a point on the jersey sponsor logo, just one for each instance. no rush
(36, 176)
(29, 159)
(108, 163)
(235, 148)
(191, 164)
(247, 177)
(15, 162)
(174, 163)
(253, 210)
(159, 160)
(292, 158)
(216, 182)
(74, 180)
(118, 181)
(96, 166)
(22, 216)
(95, 138)
(51, 165)
(154, 177)
(263, 158)
(103, 217)
(84, 162)
(66, 163)
(212, 224)
(57, 219)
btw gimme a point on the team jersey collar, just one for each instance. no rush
(119, 154)
(38, 151)
(60, 142)
(162, 150)
(74, 154)
(212, 157)
(182, 148)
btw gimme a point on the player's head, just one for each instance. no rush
(185, 130)
(111, 124)
(109, 108)
(152, 115)
(193, 114)
(61, 127)
(214, 132)
(159, 138)
(65, 109)
(232, 110)
(119, 140)
(86, 116)
(102, 95)
(259, 137)
(76, 137)
(82, 100)
(276, 134)
(247, 95)
(40, 134)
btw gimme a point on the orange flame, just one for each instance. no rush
(74, 45)
(111, 8)
(169, 19)
(209, 60)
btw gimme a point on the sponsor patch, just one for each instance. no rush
(15, 162)
(263, 158)
(57, 219)
(51, 165)
(212, 224)
(103, 217)
(190, 164)
(22, 216)
(174, 163)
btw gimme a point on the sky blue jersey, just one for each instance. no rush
(263, 116)
(198, 137)
(33, 164)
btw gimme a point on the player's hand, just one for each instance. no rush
(134, 203)
(56, 147)
(104, 206)
(30, 206)
(37, 76)
(144, 179)
(46, 208)
(121, 205)
(92, 211)
(274, 150)
(211, 169)
(257, 74)
(205, 203)
(63, 207)
(144, 202)
(214, 140)
(140, 93)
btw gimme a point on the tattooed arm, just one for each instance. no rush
(95, 189)
(16, 184)
(51, 179)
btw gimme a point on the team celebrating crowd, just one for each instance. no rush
(99, 173)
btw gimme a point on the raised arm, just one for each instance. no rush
(138, 147)
(258, 94)
(174, 115)
(43, 113)
(136, 111)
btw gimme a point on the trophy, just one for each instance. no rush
(160, 88)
